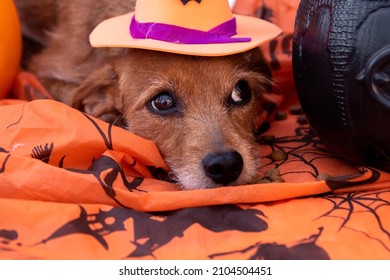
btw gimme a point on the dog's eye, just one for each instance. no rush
(163, 103)
(241, 94)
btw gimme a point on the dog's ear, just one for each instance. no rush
(97, 94)
(259, 64)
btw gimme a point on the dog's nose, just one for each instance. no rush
(223, 167)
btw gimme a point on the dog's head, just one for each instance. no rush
(200, 111)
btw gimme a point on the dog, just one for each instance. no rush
(200, 111)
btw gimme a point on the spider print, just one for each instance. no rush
(346, 206)
(304, 148)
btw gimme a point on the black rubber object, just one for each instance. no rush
(341, 64)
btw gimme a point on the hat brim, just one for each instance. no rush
(114, 32)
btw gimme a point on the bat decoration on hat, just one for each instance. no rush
(186, 1)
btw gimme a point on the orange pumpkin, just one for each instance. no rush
(10, 46)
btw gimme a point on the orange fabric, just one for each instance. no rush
(74, 187)
(27, 87)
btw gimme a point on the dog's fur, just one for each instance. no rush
(202, 137)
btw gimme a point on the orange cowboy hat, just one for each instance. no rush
(191, 27)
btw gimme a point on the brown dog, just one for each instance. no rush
(200, 111)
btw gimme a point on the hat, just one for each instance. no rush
(192, 27)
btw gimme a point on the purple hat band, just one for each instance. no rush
(180, 35)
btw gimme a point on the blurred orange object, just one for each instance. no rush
(278, 52)
(10, 46)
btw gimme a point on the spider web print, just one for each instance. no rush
(352, 205)
(300, 157)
